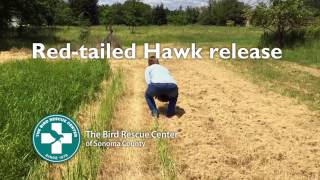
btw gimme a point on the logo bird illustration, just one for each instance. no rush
(56, 136)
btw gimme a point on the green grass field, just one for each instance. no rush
(29, 91)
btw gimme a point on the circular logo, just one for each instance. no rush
(56, 138)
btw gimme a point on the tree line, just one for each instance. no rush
(131, 12)
(48, 12)
(280, 19)
(216, 13)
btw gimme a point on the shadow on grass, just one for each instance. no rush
(179, 111)
(25, 36)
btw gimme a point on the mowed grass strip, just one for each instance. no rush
(276, 76)
(31, 90)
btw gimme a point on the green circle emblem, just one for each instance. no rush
(56, 138)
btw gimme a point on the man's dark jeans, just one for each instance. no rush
(158, 89)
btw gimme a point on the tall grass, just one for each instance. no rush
(30, 90)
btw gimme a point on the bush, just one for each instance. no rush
(84, 33)
(313, 33)
(230, 23)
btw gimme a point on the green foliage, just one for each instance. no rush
(5, 15)
(219, 12)
(178, 17)
(314, 5)
(136, 13)
(64, 15)
(230, 23)
(30, 90)
(132, 13)
(159, 15)
(88, 9)
(113, 14)
(192, 15)
(184, 17)
(33, 12)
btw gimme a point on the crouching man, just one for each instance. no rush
(160, 84)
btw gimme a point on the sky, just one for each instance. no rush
(175, 4)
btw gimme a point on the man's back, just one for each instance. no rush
(158, 74)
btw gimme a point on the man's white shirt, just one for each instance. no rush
(158, 74)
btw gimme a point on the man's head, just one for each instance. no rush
(152, 60)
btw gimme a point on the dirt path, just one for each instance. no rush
(231, 129)
(132, 115)
(14, 54)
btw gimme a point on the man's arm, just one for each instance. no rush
(147, 76)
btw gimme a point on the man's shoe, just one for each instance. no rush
(155, 115)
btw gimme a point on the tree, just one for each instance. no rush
(178, 17)
(314, 5)
(31, 12)
(159, 15)
(219, 12)
(136, 13)
(5, 15)
(192, 15)
(87, 9)
(282, 17)
(113, 14)
(63, 14)
(204, 17)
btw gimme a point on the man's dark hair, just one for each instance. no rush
(152, 60)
